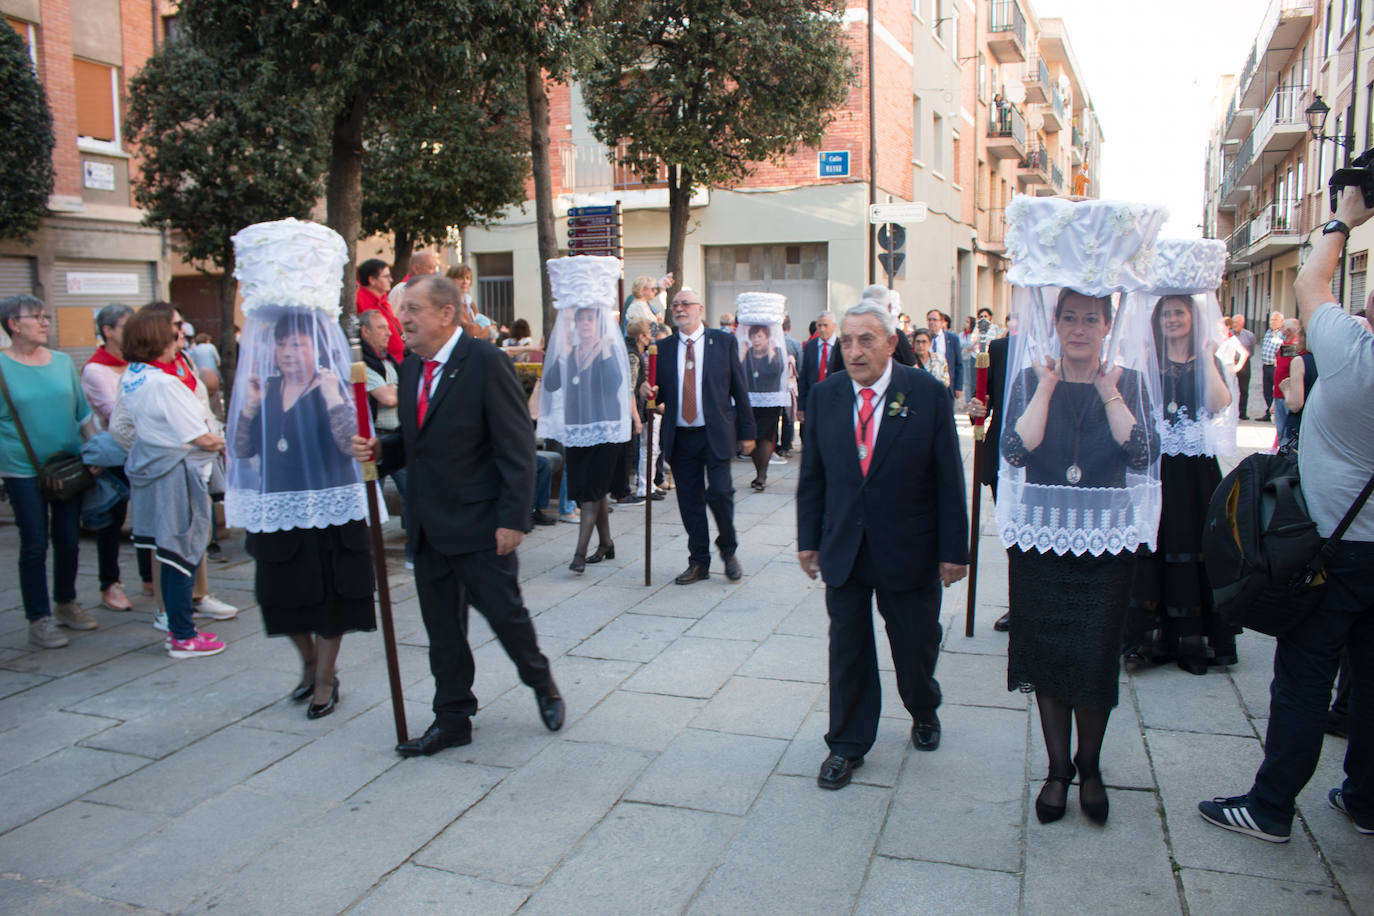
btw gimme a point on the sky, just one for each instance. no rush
(1152, 72)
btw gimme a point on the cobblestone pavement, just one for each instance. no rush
(684, 780)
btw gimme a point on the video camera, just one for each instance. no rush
(1360, 174)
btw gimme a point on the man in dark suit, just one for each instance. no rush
(466, 441)
(880, 509)
(946, 343)
(815, 361)
(706, 419)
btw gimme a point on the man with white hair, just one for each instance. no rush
(423, 263)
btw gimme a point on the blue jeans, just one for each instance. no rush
(33, 515)
(176, 598)
(1305, 664)
(543, 482)
(566, 506)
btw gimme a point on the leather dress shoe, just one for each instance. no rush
(434, 740)
(732, 570)
(320, 710)
(837, 770)
(926, 735)
(302, 691)
(693, 573)
(551, 708)
(1003, 624)
(539, 518)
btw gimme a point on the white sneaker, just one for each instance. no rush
(775, 458)
(160, 622)
(212, 607)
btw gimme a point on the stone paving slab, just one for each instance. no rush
(709, 771)
(905, 886)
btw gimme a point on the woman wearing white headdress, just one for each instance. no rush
(1078, 487)
(293, 483)
(585, 396)
(763, 351)
(1171, 601)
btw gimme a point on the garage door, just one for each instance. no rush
(82, 288)
(16, 278)
(798, 272)
(644, 262)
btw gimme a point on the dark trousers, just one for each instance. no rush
(1243, 384)
(543, 482)
(1268, 373)
(38, 521)
(789, 425)
(1305, 664)
(176, 598)
(491, 583)
(703, 480)
(912, 618)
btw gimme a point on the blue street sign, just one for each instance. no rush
(597, 211)
(833, 164)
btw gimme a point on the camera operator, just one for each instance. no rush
(1337, 451)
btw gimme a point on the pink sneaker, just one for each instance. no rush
(197, 646)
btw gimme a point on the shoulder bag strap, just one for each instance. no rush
(1318, 563)
(24, 437)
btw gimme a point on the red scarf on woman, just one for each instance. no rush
(103, 357)
(177, 369)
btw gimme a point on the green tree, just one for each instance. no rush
(712, 88)
(26, 173)
(458, 163)
(221, 150)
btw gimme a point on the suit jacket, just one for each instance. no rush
(955, 357)
(809, 367)
(471, 467)
(910, 506)
(722, 382)
(997, 384)
(904, 355)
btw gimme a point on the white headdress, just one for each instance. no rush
(765, 365)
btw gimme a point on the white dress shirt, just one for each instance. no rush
(698, 347)
(879, 389)
(442, 359)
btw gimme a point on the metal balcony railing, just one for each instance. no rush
(1036, 71)
(1037, 159)
(1077, 137)
(590, 166)
(1285, 107)
(1056, 176)
(1239, 240)
(1283, 217)
(1006, 16)
(1006, 121)
(1242, 160)
(1057, 100)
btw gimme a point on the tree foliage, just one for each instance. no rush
(714, 87)
(26, 172)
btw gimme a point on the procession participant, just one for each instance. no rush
(584, 400)
(945, 344)
(892, 301)
(699, 383)
(466, 441)
(1171, 600)
(293, 483)
(1079, 474)
(763, 351)
(815, 361)
(880, 440)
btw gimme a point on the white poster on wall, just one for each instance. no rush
(92, 283)
(98, 176)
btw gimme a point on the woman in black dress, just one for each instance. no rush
(765, 367)
(295, 487)
(1171, 600)
(1077, 427)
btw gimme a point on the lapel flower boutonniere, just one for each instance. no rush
(897, 406)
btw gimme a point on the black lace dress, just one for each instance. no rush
(1068, 612)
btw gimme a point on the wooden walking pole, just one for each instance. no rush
(652, 355)
(979, 433)
(358, 376)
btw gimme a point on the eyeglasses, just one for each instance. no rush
(39, 317)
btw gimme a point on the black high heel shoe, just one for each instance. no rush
(320, 710)
(302, 691)
(579, 563)
(1096, 809)
(1046, 813)
(604, 552)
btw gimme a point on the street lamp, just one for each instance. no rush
(1316, 120)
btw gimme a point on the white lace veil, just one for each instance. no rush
(585, 395)
(1079, 456)
(290, 414)
(763, 347)
(1199, 399)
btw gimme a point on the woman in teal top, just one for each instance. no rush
(46, 392)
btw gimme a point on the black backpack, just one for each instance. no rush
(1264, 558)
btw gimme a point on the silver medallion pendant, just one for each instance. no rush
(756, 374)
(690, 364)
(1172, 407)
(1074, 474)
(281, 444)
(577, 379)
(863, 453)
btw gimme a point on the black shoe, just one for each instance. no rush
(1193, 664)
(1337, 725)
(551, 708)
(660, 494)
(1227, 660)
(1046, 813)
(630, 500)
(837, 771)
(926, 735)
(603, 552)
(435, 739)
(693, 573)
(302, 691)
(1003, 624)
(539, 518)
(732, 570)
(320, 710)
(1096, 809)
(579, 563)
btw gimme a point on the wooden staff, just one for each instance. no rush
(651, 354)
(979, 434)
(358, 376)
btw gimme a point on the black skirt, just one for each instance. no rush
(1067, 615)
(766, 421)
(314, 580)
(590, 469)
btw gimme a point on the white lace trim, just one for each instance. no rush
(1207, 435)
(1078, 520)
(585, 435)
(770, 398)
(267, 512)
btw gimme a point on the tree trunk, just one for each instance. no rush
(343, 194)
(228, 345)
(679, 216)
(403, 243)
(537, 99)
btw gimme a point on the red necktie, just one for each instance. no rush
(689, 387)
(863, 431)
(422, 405)
(825, 361)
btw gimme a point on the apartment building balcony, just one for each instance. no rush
(1006, 31)
(1283, 25)
(1006, 132)
(1036, 79)
(1239, 122)
(1057, 178)
(1237, 242)
(1281, 126)
(590, 166)
(1235, 191)
(992, 229)
(1053, 113)
(1279, 227)
(1034, 169)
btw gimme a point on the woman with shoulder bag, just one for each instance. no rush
(43, 413)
